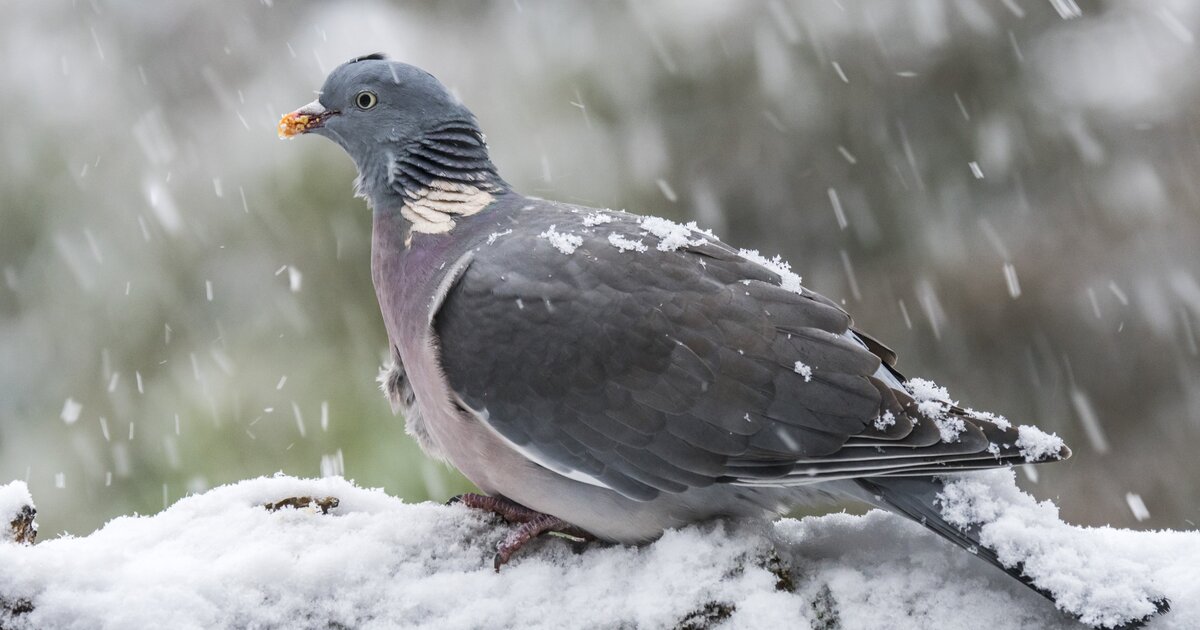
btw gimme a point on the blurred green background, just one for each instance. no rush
(1006, 194)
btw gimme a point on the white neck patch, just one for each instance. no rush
(432, 210)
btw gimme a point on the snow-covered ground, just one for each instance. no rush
(220, 559)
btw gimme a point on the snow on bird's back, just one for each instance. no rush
(596, 218)
(562, 241)
(1037, 445)
(787, 278)
(933, 401)
(671, 235)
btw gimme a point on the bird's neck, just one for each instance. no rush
(435, 178)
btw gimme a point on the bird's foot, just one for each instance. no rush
(525, 532)
(506, 509)
(530, 523)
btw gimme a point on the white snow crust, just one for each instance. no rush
(1107, 577)
(220, 560)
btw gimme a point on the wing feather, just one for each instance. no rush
(677, 368)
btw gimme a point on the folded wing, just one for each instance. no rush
(683, 365)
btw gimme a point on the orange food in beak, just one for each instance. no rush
(304, 120)
(294, 124)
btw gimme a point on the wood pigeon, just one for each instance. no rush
(610, 375)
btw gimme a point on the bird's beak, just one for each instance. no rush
(304, 120)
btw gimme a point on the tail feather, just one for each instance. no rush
(916, 498)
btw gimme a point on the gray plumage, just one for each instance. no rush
(624, 375)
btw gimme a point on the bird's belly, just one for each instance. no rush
(498, 469)
(611, 516)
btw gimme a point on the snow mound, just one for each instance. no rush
(16, 514)
(221, 559)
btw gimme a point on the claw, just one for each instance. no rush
(530, 523)
(526, 532)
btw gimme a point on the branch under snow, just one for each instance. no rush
(222, 559)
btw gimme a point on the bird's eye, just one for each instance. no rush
(365, 100)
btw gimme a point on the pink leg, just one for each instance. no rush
(524, 533)
(510, 511)
(531, 523)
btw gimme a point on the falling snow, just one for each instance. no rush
(295, 279)
(70, 411)
(1137, 506)
(1038, 250)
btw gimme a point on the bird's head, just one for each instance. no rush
(401, 126)
(371, 100)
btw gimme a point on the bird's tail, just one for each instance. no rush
(917, 498)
